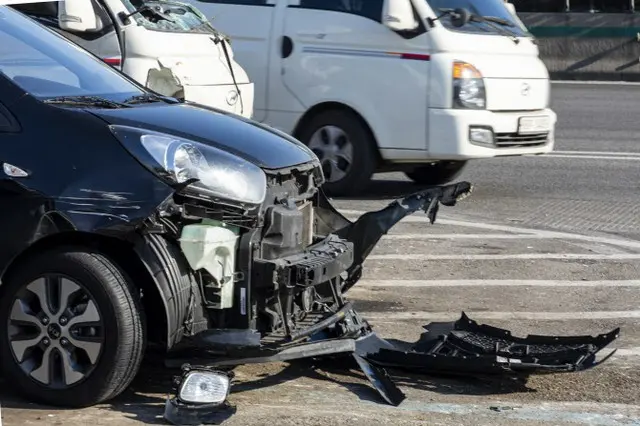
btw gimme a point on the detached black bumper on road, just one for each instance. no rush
(461, 347)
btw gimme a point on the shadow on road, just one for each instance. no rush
(144, 400)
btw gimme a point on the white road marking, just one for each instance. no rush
(619, 242)
(627, 352)
(425, 237)
(521, 256)
(515, 411)
(614, 153)
(596, 83)
(588, 157)
(532, 316)
(495, 283)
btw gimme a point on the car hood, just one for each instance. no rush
(253, 141)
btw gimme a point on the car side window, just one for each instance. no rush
(371, 9)
(33, 70)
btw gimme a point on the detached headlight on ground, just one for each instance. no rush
(214, 173)
(204, 387)
(468, 87)
(201, 395)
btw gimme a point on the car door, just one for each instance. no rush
(249, 24)
(341, 52)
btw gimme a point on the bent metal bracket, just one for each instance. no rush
(461, 347)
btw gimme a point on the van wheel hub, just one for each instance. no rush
(55, 331)
(334, 150)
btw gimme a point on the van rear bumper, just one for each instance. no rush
(449, 134)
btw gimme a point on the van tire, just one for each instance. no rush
(119, 323)
(364, 159)
(438, 173)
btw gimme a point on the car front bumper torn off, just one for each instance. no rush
(461, 347)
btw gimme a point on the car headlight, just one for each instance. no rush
(468, 87)
(214, 173)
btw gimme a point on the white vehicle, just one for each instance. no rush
(381, 85)
(168, 46)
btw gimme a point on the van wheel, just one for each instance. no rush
(438, 173)
(344, 146)
(71, 329)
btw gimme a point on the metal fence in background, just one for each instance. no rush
(577, 6)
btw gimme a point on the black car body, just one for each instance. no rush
(131, 219)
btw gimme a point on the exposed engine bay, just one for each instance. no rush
(270, 283)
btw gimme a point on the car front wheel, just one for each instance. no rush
(71, 329)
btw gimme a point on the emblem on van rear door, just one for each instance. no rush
(232, 97)
(525, 89)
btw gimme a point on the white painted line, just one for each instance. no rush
(627, 352)
(522, 256)
(619, 242)
(588, 157)
(533, 316)
(614, 153)
(596, 83)
(494, 283)
(427, 236)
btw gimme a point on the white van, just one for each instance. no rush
(167, 46)
(380, 85)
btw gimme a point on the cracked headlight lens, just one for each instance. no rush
(214, 173)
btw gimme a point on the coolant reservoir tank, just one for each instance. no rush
(212, 246)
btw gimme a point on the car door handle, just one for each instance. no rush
(287, 47)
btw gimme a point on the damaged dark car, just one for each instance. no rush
(132, 219)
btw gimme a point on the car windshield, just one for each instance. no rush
(46, 65)
(174, 16)
(486, 8)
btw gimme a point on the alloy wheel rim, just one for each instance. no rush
(333, 148)
(56, 332)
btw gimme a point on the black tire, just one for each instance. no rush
(438, 173)
(364, 154)
(123, 330)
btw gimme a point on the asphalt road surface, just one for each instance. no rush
(544, 245)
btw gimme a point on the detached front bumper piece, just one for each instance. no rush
(467, 348)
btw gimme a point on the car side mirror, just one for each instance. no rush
(397, 15)
(78, 16)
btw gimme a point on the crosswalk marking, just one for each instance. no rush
(399, 236)
(509, 256)
(416, 218)
(532, 316)
(496, 283)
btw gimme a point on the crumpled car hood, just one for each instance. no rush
(253, 141)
